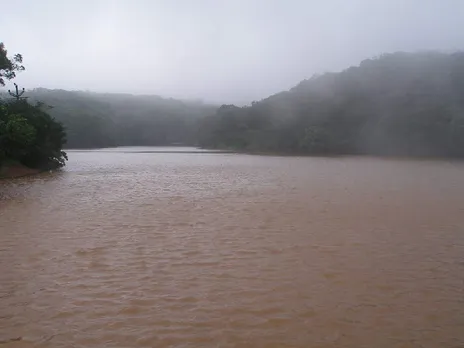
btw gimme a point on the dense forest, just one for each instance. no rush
(400, 104)
(94, 120)
(28, 135)
(407, 104)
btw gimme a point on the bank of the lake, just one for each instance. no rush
(16, 170)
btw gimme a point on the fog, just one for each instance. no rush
(232, 51)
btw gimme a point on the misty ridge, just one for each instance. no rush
(400, 104)
(96, 120)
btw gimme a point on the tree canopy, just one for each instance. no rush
(9, 66)
(28, 135)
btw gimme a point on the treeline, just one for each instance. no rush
(408, 104)
(94, 120)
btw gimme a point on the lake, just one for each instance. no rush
(177, 247)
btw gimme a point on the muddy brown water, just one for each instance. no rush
(136, 249)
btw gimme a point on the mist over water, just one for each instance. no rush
(152, 249)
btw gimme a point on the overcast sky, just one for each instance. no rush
(225, 51)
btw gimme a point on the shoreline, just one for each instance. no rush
(17, 171)
(225, 150)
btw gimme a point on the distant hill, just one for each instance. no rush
(103, 119)
(399, 104)
(408, 104)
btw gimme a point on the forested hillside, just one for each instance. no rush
(396, 104)
(408, 104)
(102, 120)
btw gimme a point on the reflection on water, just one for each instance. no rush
(222, 250)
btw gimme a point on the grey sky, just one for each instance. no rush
(222, 51)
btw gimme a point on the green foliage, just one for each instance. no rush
(30, 136)
(397, 104)
(27, 133)
(16, 134)
(9, 66)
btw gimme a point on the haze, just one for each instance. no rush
(218, 51)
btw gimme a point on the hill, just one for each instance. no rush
(406, 104)
(95, 120)
(399, 104)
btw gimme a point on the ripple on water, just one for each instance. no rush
(177, 250)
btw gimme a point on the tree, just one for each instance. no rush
(31, 136)
(28, 134)
(9, 66)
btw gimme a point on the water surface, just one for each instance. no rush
(142, 249)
